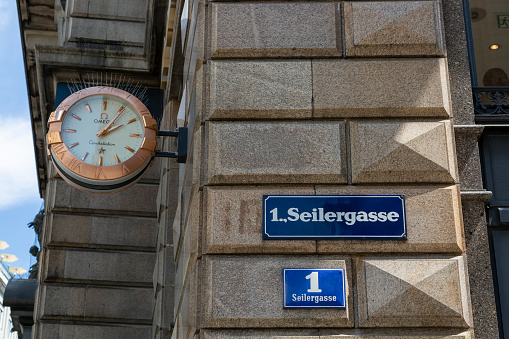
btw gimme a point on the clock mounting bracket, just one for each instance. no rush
(181, 135)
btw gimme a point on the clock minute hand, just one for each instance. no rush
(112, 129)
(107, 127)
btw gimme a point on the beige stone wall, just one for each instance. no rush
(96, 262)
(316, 98)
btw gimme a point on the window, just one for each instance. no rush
(490, 36)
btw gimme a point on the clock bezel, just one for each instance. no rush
(94, 174)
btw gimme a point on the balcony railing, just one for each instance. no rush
(491, 104)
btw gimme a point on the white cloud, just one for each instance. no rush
(4, 14)
(18, 176)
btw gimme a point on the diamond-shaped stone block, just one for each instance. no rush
(393, 28)
(413, 293)
(402, 152)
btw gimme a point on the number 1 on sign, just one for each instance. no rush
(274, 214)
(313, 282)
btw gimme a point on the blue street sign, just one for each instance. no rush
(334, 217)
(314, 288)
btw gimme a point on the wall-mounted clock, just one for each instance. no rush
(101, 139)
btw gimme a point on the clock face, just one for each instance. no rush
(101, 139)
(102, 130)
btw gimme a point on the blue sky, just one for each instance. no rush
(19, 196)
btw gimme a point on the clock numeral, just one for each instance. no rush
(131, 121)
(129, 149)
(105, 89)
(74, 165)
(70, 131)
(76, 117)
(59, 150)
(100, 173)
(81, 93)
(100, 161)
(84, 157)
(64, 105)
(125, 170)
(132, 135)
(88, 108)
(116, 158)
(74, 145)
(105, 104)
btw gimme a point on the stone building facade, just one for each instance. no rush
(280, 97)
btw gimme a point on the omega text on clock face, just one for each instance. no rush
(102, 130)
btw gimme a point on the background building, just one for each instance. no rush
(283, 98)
(5, 312)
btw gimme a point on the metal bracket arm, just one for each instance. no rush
(181, 135)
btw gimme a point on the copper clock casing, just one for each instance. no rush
(98, 178)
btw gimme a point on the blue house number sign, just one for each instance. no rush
(334, 217)
(314, 288)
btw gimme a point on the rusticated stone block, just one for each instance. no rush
(177, 327)
(176, 230)
(89, 331)
(259, 334)
(333, 334)
(104, 266)
(189, 247)
(134, 10)
(234, 221)
(275, 30)
(272, 152)
(168, 300)
(153, 173)
(254, 89)
(396, 292)
(138, 200)
(85, 230)
(55, 54)
(248, 292)
(395, 334)
(192, 175)
(187, 306)
(97, 303)
(194, 53)
(432, 215)
(127, 32)
(402, 152)
(380, 88)
(468, 157)
(393, 28)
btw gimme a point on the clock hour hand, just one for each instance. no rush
(108, 126)
(112, 129)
